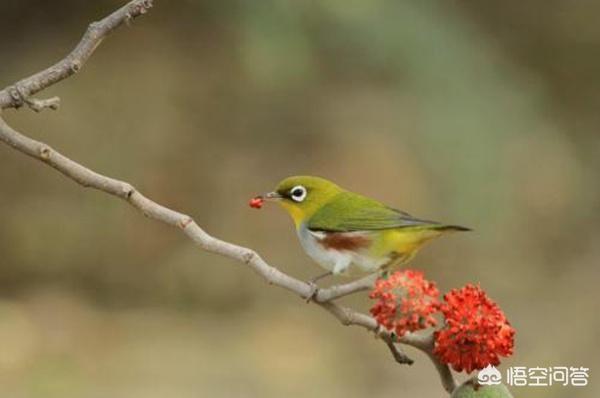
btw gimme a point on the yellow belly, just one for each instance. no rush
(402, 244)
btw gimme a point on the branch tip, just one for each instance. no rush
(147, 5)
(39, 105)
(138, 9)
(398, 354)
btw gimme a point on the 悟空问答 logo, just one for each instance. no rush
(489, 376)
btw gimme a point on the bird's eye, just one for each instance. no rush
(298, 193)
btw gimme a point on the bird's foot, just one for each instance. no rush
(314, 290)
(313, 285)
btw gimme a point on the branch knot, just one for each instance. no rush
(248, 257)
(94, 29)
(184, 222)
(75, 66)
(128, 190)
(45, 152)
(16, 94)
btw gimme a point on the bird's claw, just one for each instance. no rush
(314, 290)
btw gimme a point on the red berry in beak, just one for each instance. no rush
(257, 202)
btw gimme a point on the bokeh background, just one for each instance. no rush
(478, 113)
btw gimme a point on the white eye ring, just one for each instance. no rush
(298, 193)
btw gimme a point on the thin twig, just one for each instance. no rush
(39, 105)
(398, 354)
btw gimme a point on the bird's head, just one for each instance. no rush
(302, 196)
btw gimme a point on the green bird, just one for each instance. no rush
(347, 233)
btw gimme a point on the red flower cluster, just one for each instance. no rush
(476, 331)
(406, 302)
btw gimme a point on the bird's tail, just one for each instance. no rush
(450, 228)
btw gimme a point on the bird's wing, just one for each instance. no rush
(353, 212)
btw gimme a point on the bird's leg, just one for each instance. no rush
(320, 276)
(395, 260)
(313, 284)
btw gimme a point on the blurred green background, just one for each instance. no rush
(483, 114)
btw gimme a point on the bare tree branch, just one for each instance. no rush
(18, 94)
(338, 291)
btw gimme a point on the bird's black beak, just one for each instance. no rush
(272, 196)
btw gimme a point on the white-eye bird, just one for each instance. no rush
(345, 232)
